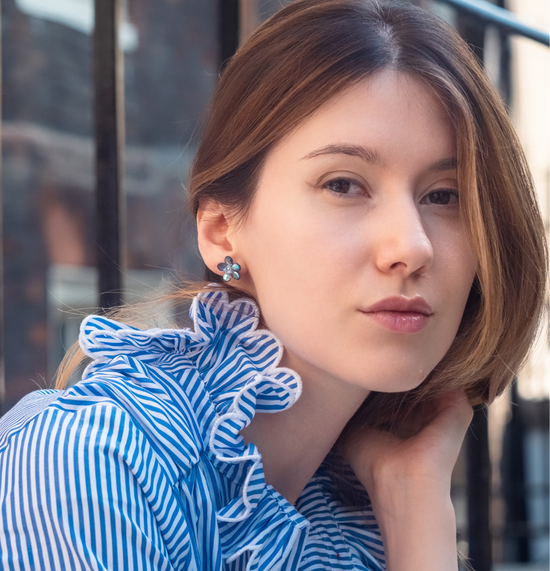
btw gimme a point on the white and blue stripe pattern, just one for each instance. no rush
(140, 466)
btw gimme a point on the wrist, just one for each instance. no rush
(416, 519)
(421, 535)
(398, 493)
(392, 486)
(404, 506)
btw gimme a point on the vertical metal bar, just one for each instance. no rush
(516, 538)
(248, 18)
(109, 140)
(479, 477)
(228, 12)
(479, 492)
(228, 29)
(2, 332)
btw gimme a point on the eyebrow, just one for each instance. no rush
(370, 156)
(447, 164)
(367, 155)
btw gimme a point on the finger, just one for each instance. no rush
(453, 416)
(366, 445)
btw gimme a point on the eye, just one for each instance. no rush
(344, 186)
(443, 196)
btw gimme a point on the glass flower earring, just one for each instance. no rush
(229, 269)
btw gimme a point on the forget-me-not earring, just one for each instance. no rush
(229, 269)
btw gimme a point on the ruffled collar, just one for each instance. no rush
(237, 365)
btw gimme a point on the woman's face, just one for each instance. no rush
(354, 245)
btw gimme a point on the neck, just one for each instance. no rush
(293, 443)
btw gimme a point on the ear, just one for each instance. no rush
(214, 233)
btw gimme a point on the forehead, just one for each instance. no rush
(390, 113)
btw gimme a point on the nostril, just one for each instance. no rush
(410, 256)
(397, 264)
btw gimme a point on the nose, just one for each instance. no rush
(403, 245)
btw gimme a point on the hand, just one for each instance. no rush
(408, 475)
(423, 450)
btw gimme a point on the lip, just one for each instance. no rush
(400, 314)
(416, 304)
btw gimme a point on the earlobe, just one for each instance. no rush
(213, 229)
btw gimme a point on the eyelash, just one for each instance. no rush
(451, 193)
(350, 181)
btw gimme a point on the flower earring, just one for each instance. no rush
(230, 269)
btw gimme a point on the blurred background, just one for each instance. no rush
(172, 53)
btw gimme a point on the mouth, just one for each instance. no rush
(400, 314)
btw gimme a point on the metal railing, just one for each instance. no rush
(503, 19)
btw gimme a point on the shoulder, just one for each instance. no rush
(23, 412)
(84, 484)
(96, 420)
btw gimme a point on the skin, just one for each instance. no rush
(357, 204)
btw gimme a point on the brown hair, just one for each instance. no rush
(313, 49)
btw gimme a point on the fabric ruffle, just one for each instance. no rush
(237, 364)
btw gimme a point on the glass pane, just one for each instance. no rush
(170, 53)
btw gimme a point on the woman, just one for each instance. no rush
(359, 180)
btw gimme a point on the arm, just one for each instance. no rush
(75, 494)
(408, 481)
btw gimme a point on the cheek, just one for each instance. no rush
(457, 276)
(295, 260)
(454, 259)
(294, 240)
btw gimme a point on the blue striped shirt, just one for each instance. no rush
(140, 466)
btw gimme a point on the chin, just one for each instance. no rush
(399, 381)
